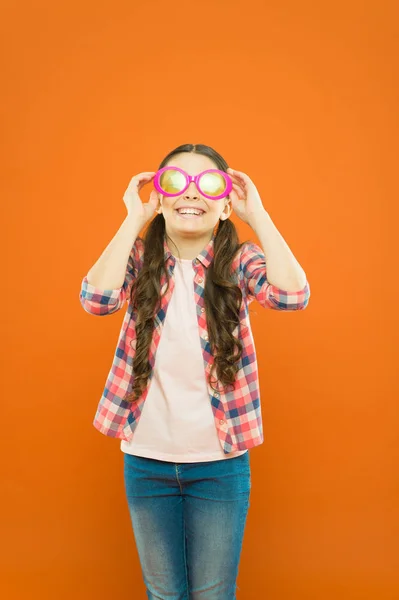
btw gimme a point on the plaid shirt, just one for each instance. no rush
(237, 413)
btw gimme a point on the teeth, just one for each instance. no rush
(186, 211)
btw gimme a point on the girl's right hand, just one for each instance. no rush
(135, 206)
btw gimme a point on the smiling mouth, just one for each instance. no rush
(189, 215)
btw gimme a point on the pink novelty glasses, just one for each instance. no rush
(212, 183)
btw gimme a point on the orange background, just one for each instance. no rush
(301, 96)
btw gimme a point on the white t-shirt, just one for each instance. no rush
(177, 421)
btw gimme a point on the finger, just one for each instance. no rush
(238, 182)
(233, 196)
(142, 177)
(239, 188)
(149, 174)
(241, 183)
(234, 172)
(238, 174)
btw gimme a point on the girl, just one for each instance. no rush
(182, 393)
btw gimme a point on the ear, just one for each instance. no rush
(227, 209)
(159, 209)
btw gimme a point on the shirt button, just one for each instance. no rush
(216, 394)
(202, 309)
(221, 421)
(200, 280)
(205, 337)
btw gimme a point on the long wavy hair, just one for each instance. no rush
(222, 299)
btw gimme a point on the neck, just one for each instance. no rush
(188, 247)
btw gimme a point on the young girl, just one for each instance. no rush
(182, 394)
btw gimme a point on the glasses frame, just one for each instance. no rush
(196, 179)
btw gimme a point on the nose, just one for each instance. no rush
(191, 191)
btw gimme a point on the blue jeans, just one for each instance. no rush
(188, 521)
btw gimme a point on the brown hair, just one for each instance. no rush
(222, 295)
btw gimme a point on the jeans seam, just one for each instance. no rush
(184, 530)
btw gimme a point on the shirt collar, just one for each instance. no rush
(205, 256)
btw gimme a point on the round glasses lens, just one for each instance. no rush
(172, 182)
(212, 184)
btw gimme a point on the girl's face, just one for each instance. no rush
(213, 209)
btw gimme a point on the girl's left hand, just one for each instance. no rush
(244, 196)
